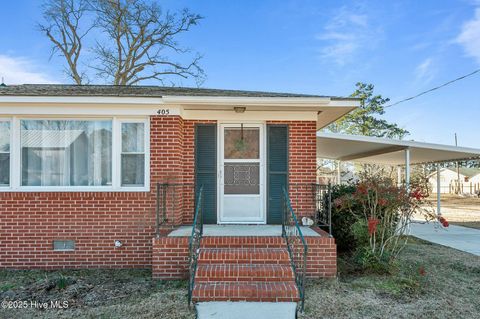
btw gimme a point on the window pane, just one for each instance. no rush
(4, 137)
(133, 137)
(4, 153)
(242, 178)
(4, 169)
(242, 144)
(133, 169)
(66, 153)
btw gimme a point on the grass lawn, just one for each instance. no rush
(95, 294)
(450, 288)
(456, 201)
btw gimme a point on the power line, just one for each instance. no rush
(435, 88)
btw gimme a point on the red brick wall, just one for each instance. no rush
(170, 258)
(166, 158)
(322, 256)
(31, 221)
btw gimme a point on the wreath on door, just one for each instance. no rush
(240, 144)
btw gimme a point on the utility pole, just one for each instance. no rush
(458, 169)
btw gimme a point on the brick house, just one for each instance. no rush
(113, 177)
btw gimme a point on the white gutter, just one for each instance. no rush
(313, 102)
(259, 101)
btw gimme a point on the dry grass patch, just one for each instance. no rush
(475, 225)
(456, 201)
(449, 288)
(94, 294)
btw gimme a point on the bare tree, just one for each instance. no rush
(135, 40)
(62, 27)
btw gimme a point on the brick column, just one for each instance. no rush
(166, 160)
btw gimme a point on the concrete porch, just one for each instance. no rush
(242, 231)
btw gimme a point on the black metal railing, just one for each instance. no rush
(323, 206)
(171, 200)
(194, 243)
(313, 200)
(296, 245)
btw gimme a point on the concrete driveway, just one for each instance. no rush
(458, 237)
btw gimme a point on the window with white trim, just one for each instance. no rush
(74, 154)
(4, 153)
(66, 152)
(133, 154)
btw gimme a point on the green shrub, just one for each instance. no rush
(374, 215)
(63, 282)
(343, 219)
(370, 262)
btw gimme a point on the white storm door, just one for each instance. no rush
(241, 177)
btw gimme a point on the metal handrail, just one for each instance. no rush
(323, 199)
(194, 243)
(170, 199)
(296, 245)
(315, 202)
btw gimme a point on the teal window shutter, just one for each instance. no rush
(206, 169)
(277, 170)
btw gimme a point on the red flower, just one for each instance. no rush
(362, 189)
(417, 194)
(382, 202)
(372, 225)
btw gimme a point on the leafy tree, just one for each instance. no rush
(130, 41)
(364, 120)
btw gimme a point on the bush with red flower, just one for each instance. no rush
(383, 213)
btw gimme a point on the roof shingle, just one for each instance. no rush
(134, 91)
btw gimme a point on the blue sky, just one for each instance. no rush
(317, 47)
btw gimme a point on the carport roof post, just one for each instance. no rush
(407, 169)
(439, 204)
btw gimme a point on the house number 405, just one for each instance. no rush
(163, 112)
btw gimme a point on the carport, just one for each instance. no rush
(400, 153)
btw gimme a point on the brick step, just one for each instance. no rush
(244, 273)
(244, 256)
(243, 242)
(242, 291)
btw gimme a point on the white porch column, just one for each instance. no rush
(439, 205)
(399, 176)
(339, 176)
(407, 169)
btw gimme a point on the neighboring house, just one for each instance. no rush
(327, 175)
(469, 180)
(105, 177)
